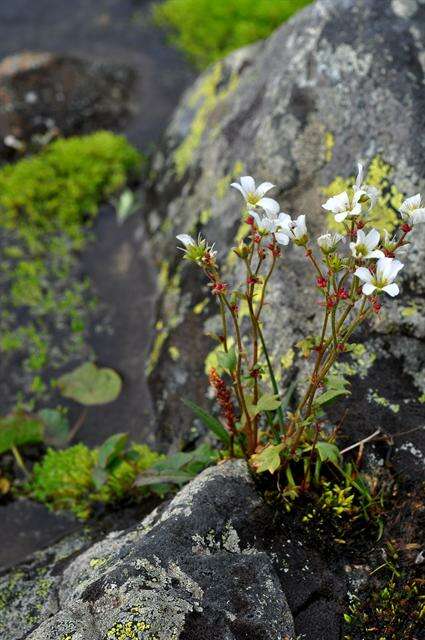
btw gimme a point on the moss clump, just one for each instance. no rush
(46, 204)
(379, 175)
(206, 31)
(65, 480)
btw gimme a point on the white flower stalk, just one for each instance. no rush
(365, 245)
(413, 210)
(254, 196)
(383, 280)
(328, 242)
(342, 208)
(196, 250)
(364, 193)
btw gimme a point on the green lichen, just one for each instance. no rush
(379, 174)
(204, 101)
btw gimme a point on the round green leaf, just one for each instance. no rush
(91, 385)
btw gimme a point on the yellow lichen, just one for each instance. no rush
(329, 145)
(384, 215)
(408, 312)
(174, 353)
(96, 563)
(204, 100)
(288, 359)
(198, 308)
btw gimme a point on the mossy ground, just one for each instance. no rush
(47, 202)
(207, 31)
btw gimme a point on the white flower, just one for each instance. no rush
(254, 196)
(390, 244)
(196, 250)
(341, 206)
(329, 242)
(364, 193)
(297, 229)
(383, 280)
(365, 245)
(273, 224)
(413, 210)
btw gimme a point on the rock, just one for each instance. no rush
(190, 571)
(43, 95)
(343, 81)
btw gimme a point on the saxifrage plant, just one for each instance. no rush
(353, 270)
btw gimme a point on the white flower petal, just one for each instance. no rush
(375, 254)
(418, 215)
(256, 217)
(411, 203)
(372, 239)
(263, 188)
(340, 217)
(282, 238)
(248, 184)
(185, 239)
(269, 205)
(364, 274)
(391, 289)
(359, 180)
(237, 186)
(396, 266)
(368, 288)
(337, 204)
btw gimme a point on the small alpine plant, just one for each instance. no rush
(354, 271)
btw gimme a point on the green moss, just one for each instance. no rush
(47, 202)
(64, 480)
(379, 175)
(207, 31)
(204, 100)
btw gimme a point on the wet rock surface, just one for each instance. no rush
(193, 569)
(341, 82)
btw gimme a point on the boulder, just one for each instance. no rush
(197, 568)
(341, 82)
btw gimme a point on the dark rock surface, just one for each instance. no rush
(44, 96)
(343, 81)
(202, 567)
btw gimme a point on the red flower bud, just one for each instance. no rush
(330, 302)
(250, 220)
(252, 280)
(360, 224)
(321, 282)
(376, 307)
(406, 228)
(257, 238)
(342, 294)
(341, 347)
(218, 288)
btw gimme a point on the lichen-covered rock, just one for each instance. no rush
(343, 81)
(188, 572)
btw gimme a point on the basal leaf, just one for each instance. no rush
(209, 421)
(268, 459)
(111, 448)
(19, 429)
(328, 451)
(56, 427)
(90, 385)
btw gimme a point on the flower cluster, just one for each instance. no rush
(352, 268)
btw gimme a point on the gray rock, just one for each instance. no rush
(343, 81)
(186, 572)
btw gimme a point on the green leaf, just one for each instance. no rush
(90, 385)
(20, 429)
(111, 448)
(227, 360)
(209, 421)
(328, 451)
(100, 477)
(56, 427)
(175, 478)
(330, 396)
(267, 402)
(268, 459)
